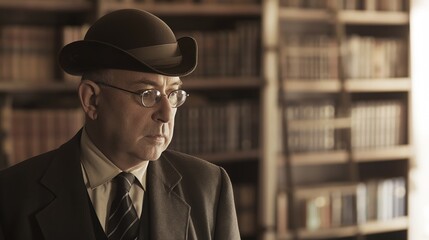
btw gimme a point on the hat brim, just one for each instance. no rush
(79, 57)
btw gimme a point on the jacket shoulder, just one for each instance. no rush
(197, 172)
(29, 168)
(179, 158)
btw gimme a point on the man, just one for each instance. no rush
(115, 179)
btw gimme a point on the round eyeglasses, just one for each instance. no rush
(150, 97)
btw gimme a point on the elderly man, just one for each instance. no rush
(115, 179)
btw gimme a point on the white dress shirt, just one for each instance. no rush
(98, 172)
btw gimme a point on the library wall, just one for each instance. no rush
(344, 96)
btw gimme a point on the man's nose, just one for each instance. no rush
(164, 111)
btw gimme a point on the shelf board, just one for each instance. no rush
(373, 17)
(47, 5)
(236, 156)
(34, 87)
(341, 156)
(311, 86)
(378, 85)
(304, 15)
(284, 236)
(396, 224)
(328, 233)
(383, 154)
(320, 189)
(221, 82)
(187, 9)
(336, 123)
(351, 85)
(315, 158)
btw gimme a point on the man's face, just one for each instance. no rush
(126, 132)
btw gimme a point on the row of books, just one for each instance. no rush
(381, 199)
(375, 200)
(369, 5)
(222, 127)
(228, 52)
(373, 57)
(27, 53)
(374, 124)
(378, 124)
(312, 137)
(309, 57)
(312, 57)
(36, 131)
(246, 204)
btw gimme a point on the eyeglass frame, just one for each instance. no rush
(143, 91)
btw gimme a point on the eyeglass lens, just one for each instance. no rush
(153, 96)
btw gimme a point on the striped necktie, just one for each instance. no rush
(123, 223)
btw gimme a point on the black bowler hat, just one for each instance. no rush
(130, 39)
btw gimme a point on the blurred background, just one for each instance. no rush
(316, 108)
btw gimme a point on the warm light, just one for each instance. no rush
(419, 176)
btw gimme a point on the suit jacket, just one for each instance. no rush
(45, 198)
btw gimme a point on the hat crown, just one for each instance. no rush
(142, 29)
(130, 39)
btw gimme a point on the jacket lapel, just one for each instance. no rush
(68, 215)
(169, 213)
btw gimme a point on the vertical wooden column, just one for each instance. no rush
(269, 119)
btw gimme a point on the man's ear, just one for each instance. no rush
(89, 97)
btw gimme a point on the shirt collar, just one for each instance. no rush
(99, 169)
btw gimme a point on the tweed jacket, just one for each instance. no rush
(44, 198)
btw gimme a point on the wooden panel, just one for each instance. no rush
(311, 86)
(396, 224)
(373, 17)
(379, 154)
(378, 85)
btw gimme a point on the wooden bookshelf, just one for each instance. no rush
(355, 85)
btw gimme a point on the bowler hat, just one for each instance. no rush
(130, 39)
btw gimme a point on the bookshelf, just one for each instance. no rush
(36, 103)
(344, 112)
